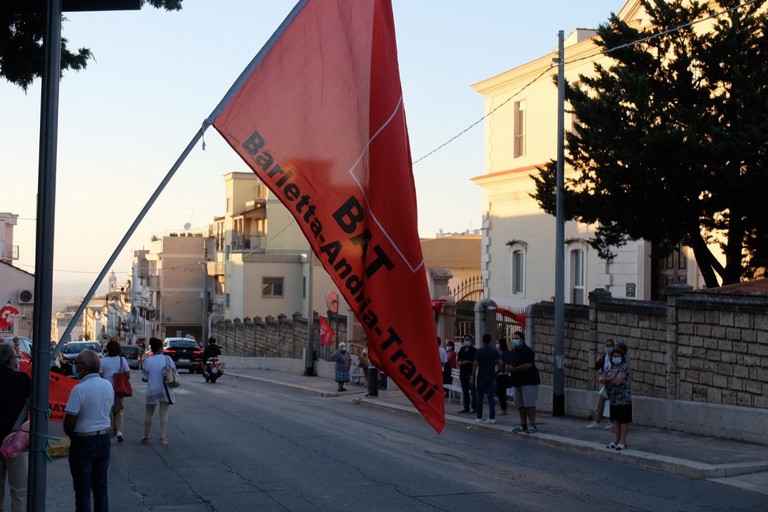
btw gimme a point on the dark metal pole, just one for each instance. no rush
(46, 207)
(558, 379)
(309, 355)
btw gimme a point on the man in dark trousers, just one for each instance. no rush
(465, 359)
(15, 387)
(87, 423)
(484, 369)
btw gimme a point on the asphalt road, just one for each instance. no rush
(241, 445)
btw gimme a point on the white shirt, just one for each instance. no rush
(443, 355)
(152, 371)
(91, 401)
(112, 365)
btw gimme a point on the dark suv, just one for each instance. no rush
(185, 352)
(132, 354)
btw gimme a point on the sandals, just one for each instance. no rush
(611, 446)
(164, 441)
(144, 440)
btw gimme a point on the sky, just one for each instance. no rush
(157, 75)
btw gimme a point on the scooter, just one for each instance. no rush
(213, 369)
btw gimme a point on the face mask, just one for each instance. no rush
(449, 348)
(498, 346)
(608, 350)
(616, 360)
(516, 343)
(343, 350)
(467, 343)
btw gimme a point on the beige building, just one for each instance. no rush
(257, 258)
(171, 285)
(518, 247)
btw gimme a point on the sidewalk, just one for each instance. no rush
(734, 463)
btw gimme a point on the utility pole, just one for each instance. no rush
(309, 355)
(558, 380)
(46, 206)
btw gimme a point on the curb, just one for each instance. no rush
(673, 465)
(60, 449)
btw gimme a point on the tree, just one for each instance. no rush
(671, 140)
(21, 45)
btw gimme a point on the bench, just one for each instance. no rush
(357, 374)
(454, 386)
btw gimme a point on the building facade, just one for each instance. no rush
(518, 246)
(17, 286)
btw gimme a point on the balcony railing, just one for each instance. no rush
(242, 243)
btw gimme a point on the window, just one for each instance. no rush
(272, 287)
(519, 127)
(517, 266)
(577, 276)
(518, 271)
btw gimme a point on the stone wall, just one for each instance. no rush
(279, 337)
(699, 347)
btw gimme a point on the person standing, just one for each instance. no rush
(343, 362)
(444, 362)
(526, 380)
(503, 381)
(619, 388)
(112, 364)
(602, 364)
(87, 424)
(484, 369)
(157, 392)
(465, 359)
(16, 387)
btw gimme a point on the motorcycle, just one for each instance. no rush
(213, 369)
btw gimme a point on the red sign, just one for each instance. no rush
(319, 118)
(59, 390)
(7, 316)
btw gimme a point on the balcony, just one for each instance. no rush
(9, 253)
(252, 243)
(153, 282)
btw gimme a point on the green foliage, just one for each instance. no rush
(672, 138)
(21, 45)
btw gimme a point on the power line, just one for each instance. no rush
(603, 52)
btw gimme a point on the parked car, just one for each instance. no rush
(73, 348)
(132, 355)
(69, 353)
(25, 344)
(185, 353)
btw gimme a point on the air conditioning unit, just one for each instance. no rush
(26, 297)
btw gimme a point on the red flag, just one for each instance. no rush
(326, 333)
(517, 317)
(59, 389)
(318, 116)
(7, 315)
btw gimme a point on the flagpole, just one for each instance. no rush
(128, 234)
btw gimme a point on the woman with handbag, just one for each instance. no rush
(158, 393)
(115, 369)
(602, 365)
